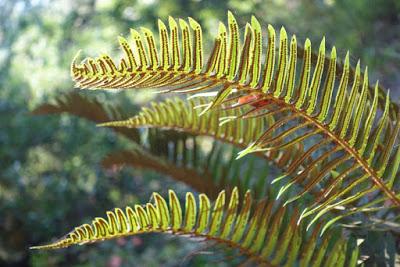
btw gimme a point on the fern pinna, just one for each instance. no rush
(341, 133)
(338, 134)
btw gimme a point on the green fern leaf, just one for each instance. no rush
(219, 124)
(267, 236)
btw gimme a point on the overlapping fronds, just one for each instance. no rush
(174, 150)
(185, 117)
(262, 232)
(345, 126)
(173, 115)
(143, 156)
(89, 108)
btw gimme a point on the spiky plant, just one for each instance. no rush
(334, 136)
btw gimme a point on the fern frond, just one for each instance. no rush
(262, 232)
(89, 108)
(140, 159)
(338, 112)
(221, 125)
(179, 61)
(184, 116)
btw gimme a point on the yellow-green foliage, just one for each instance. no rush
(338, 137)
(338, 115)
(265, 233)
(219, 124)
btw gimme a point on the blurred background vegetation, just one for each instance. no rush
(50, 176)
